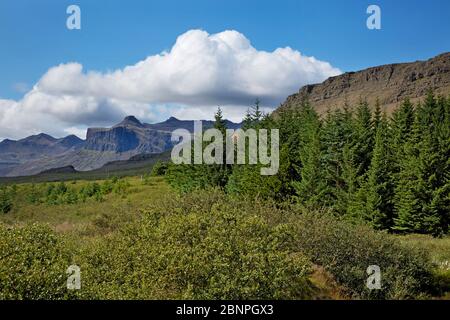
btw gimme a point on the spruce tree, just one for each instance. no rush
(363, 138)
(348, 196)
(217, 174)
(377, 116)
(338, 167)
(246, 179)
(256, 112)
(219, 122)
(247, 121)
(311, 187)
(402, 125)
(379, 187)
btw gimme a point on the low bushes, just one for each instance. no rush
(33, 264)
(346, 250)
(195, 248)
(159, 169)
(61, 193)
(6, 202)
(210, 246)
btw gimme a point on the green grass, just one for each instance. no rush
(90, 218)
(439, 250)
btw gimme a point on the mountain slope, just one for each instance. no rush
(391, 84)
(14, 153)
(124, 140)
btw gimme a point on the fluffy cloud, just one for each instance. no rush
(200, 72)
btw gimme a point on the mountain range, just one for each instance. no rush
(124, 140)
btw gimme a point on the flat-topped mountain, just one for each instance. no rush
(131, 134)
(128, 138)
(391, 84)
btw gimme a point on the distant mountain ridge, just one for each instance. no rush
(122, 141)
(391, 84)
(14, 153)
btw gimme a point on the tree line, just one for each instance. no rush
(390, 171)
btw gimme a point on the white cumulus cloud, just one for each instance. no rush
(200, 72)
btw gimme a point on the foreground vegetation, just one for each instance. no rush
(148, 242)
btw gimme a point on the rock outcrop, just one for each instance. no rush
(391, 84)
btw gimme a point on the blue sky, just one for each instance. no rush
(114, 34)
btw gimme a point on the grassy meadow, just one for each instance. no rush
(136, 238)
(92, 217)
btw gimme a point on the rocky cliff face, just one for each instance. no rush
(391, 84)
(119, 139)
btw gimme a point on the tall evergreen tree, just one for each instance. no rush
(219, 122)
(338, 167)
(363, 138)
(218, 173)
(402, 125)
(310, 188)
(379, 187)
(377, 116)
(257, 114)
(247, 121)
(348, 195)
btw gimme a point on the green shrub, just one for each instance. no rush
(60, 188)
(186, 178)
(6, 202)
(33, 194)
(347, 250)
(33, 264)
(107, 187)
(121, 187)
(90, 189)
(197, 247)
(159, 169)
(55, 194)
(70, 197)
